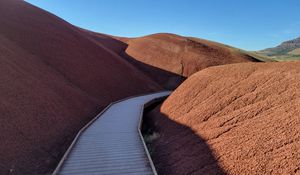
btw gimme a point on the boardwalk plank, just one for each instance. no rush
(112, 143)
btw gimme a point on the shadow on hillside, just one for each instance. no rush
(175, 148)
(168, 80)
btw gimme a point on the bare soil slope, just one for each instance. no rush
(53, 79)
(237, 119)
(182, 56)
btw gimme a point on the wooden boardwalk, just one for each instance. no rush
(112, 143)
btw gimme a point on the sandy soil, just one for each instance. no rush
(236, 119)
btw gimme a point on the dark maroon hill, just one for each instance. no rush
(53, 79)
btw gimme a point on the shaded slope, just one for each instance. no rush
(40, 112)
(115, 45)
(53, 79)
(238, 119)
(60, 45)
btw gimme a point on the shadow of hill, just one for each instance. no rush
(175, 148)
(167, 80)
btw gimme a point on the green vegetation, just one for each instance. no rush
(287, 58)
(255, 55)
(260, 57)
(287, 51)
(295, 52)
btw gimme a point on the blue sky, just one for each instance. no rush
(246, 24)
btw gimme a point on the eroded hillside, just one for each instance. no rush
(237, 119)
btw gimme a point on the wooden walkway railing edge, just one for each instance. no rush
(140, 127)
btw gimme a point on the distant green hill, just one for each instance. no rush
(289, 50)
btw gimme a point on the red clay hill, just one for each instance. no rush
(180, 56)
(236, 119)
(53, 80)
(55, 77)
(168, 58)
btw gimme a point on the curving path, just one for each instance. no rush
(112, 142)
